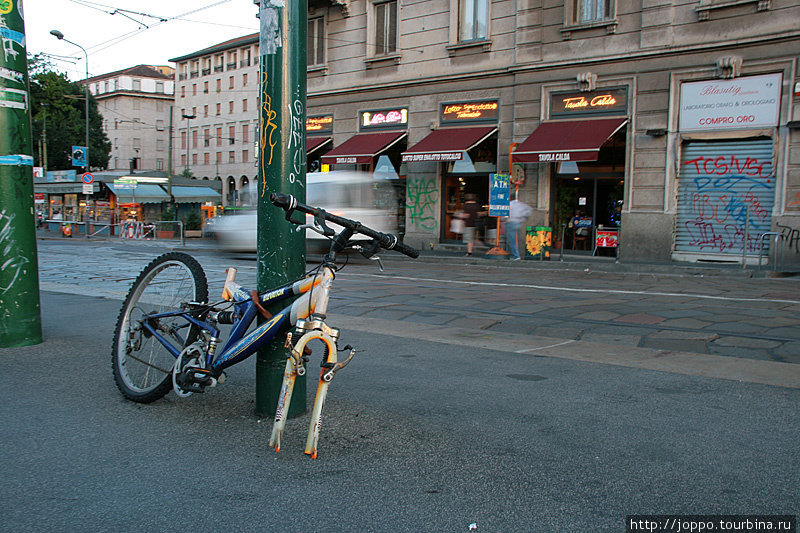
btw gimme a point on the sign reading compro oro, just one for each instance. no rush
(748, 102)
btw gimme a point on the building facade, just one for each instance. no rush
(653, 130)
(668, 128)
(216, 116)
(136, 105)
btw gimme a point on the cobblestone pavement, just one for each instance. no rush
(707, 311)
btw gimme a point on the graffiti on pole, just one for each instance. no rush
(268, 140)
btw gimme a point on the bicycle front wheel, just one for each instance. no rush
(142, 365)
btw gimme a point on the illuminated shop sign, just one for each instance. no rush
(603, 102)
(319, 124)
(461, 112)
(384, 118)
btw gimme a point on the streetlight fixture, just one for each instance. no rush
(188, 118)
(60, 36)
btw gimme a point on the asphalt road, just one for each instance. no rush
(418, 436)
(438, 424)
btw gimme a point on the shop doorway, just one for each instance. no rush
(588, 196)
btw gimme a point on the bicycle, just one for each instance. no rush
(166, 337)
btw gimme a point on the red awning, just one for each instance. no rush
(447, 144)
(360, 149)
(315, 143)
(572, 140)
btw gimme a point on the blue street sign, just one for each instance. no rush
(499, 195)
(79, 156)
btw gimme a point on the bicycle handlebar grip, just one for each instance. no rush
(407, 250)
(284, 201)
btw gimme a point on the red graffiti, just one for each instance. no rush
(725, 165)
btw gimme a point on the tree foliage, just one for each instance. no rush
(58, 104)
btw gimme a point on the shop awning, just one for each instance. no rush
(144, 193)
(447, 144)
(316, 143)
(569, 140)
(186, 195)
(360, 149)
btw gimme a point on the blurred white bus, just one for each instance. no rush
(376, 203)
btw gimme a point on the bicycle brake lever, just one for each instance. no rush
(378, 259)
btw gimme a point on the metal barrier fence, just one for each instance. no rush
(129, 229)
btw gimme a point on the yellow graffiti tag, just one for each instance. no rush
(6, 6)
(267, 134)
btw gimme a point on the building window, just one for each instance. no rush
(232, 135)
(219, 84)
(194, 89)
(194, 139)
(159, 164)
(137, 84)
(183, 91)
(315, 47)
(183, 160)
(207, 138)
(183, 139)
(205, 110)
(473, 18)
(587, 11)
(245, 133)
(106, 85)
(244, 79)
(245, 156)
(230, 107)
(137, 143)
(231, 157)
(205, 87)
(244, 105)
(230, 83)
(159, 145)
(206, 158)
(159, 125)
(219, 109)
(219, 136)
(385, 28)
(219, 157)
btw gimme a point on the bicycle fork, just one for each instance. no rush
(295, 367)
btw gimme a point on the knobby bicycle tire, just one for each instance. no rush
(143, 373)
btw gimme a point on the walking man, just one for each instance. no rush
(517, 215)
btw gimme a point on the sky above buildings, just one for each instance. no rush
(149, 32)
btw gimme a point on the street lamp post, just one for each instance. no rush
(188, 119)
(60, 36)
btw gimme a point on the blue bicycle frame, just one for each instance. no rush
(314, 291)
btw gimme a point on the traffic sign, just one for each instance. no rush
(88, 188)
(87, 178)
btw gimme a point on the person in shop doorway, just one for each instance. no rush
(518, 213)
(472, 210)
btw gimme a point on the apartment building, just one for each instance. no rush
(216, 116)
(667, 128)
(136, 104)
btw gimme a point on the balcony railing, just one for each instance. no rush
(206, 71)
(232, 66)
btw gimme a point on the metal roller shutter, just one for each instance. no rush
(718, 185)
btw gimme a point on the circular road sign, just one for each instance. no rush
(87, 178)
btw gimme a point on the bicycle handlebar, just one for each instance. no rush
(388, 241)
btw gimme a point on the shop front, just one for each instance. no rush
(585, 159)
(464, 151)
(319, 130)
(727, 183)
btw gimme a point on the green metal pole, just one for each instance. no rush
(282, 168)
(20, 314)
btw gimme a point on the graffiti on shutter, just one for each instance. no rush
(722, 188)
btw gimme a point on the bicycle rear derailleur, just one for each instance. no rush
(189, 373)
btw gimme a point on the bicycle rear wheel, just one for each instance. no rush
(142, 366)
